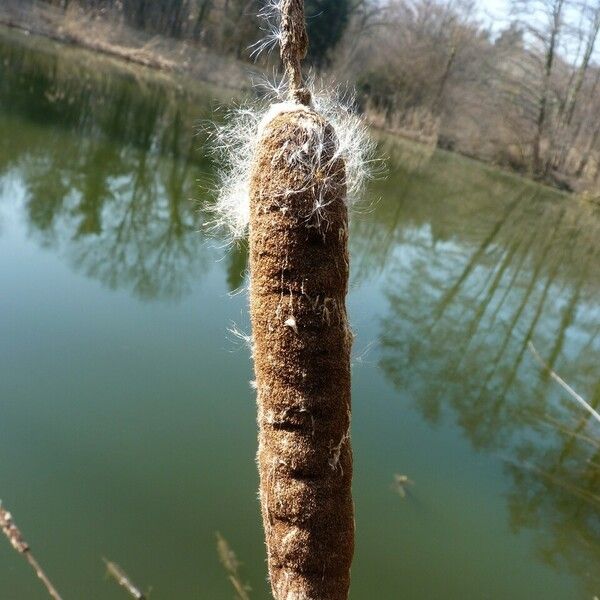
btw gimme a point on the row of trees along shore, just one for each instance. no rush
(521, 91)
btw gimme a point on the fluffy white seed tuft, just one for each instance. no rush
(235, 143)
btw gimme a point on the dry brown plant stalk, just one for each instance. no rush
(296, 174)
(122, 579)
(299, 279)
(232, 566)
(301, 340)
(12, 532)
(563, 383)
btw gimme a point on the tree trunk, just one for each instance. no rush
(538, 167)
(202, 13)
(437, 104)
(573, 93)
(581, 71)
(586, 155)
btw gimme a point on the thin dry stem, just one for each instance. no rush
(14, 536)
(563, 383)
(232, 565)
(119, 575)
(293, 47)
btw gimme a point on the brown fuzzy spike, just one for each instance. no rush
(299, 279)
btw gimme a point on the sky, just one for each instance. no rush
(494, 12)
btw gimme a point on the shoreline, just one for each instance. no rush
(130, 54)
(183, 59)
(123, 43)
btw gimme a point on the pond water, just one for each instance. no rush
(127, 425)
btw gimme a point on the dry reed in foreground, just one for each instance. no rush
(563, 383)
(114, 571)
(12, 532)
(401, 484)
(232, 566)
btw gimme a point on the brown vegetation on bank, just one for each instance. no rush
(99, 33)
(523, 94)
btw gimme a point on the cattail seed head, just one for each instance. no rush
(299, 270)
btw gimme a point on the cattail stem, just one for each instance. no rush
(299, 280)
(294, 46)
(12, 532)
(290, 175)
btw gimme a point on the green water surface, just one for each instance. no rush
(127, 423)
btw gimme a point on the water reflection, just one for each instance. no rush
(237, 266)
(472, 265)
(473, 270)
(114, 182)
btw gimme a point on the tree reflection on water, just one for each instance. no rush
(473, 270)
(113, 183)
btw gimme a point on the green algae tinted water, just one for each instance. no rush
(127, 424)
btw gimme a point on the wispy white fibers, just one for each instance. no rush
(270, 14)
(236, 140)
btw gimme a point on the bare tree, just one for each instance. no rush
(543, 22)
